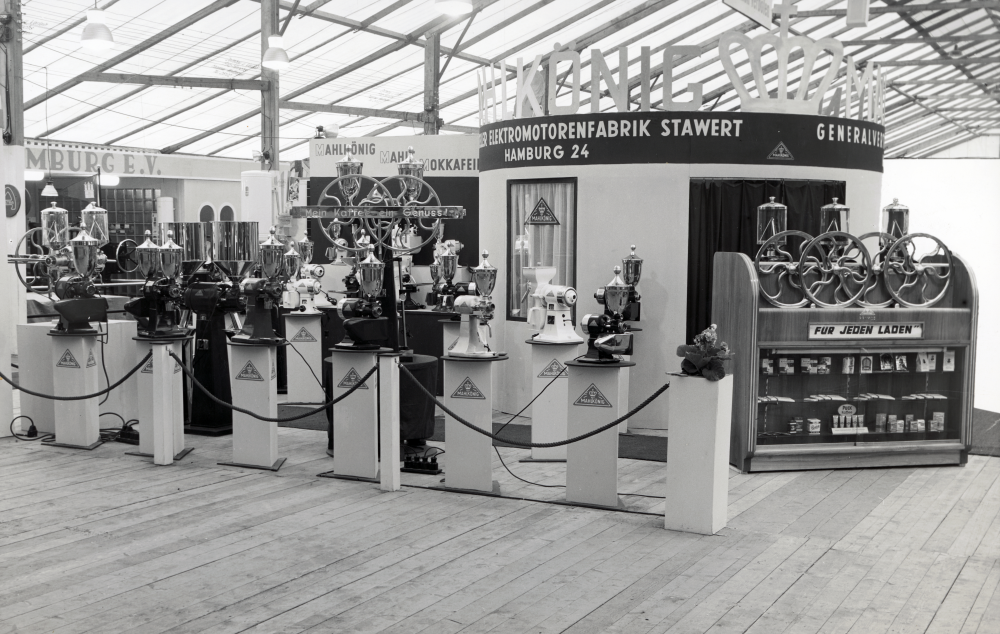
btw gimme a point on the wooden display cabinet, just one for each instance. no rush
(765, 406)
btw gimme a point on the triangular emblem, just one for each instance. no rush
(249, 373)
(67, 360)
(781, 153)
(274, 371)
(553, 369)
(91, 361)
(303, 335)
(148, 368)
(592, 397)
(351, 379)
(541, 214)
(177, 367)
(467, 389)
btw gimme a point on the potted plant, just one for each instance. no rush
(699, 413)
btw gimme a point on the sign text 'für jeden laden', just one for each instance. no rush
(914, 330)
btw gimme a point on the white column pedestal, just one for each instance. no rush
(623, 380)
(388, 393)
(449, 334)
(355, 419)
(549, 411)
(75, 369)
(594, 400)
(254, 379)
(35, 373)
(161, 390)
(303, 332)
(468, 391)
(699, 412)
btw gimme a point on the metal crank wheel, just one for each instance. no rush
(875, 294)
(125, 256)
(918, 270)
(778, 270)
(35, 265)
(835, 269)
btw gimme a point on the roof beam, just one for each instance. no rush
(910, 8)
(186, 82)
(922, 40)
(382, 52)
(935, 82)
(957, 61)
(166, 33)
(368, 27)
(129, 95)
(355, 111)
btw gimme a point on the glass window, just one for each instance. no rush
(207, 214)
(541, 232)
(226, 213)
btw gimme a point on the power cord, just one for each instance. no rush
(32, 434)
(512, 418)
(311, 371)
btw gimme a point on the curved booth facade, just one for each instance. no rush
(607, 181)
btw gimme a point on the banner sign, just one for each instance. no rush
(68, 158)
(442, 155)
(744, 138)
(828, 332)
(759, 11)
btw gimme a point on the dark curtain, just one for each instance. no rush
(723, 217)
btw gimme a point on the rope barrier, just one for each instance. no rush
(52, 397)
(270, 419)
(516, 443)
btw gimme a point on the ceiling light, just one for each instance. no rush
(454, 7)
(275, 57)
(96, 34)
(956, 52)
(49, 190)
(34, 175)
(109, 180)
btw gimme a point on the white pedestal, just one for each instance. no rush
(161, 389)
(699, 412)
(549, 411)
(303, 332)
(120, 356)
(594, 400)
(254, 379)
(468, 391)
(449, 335)
(75, 369)
(35, 373)
(388, 421)
(355, 419)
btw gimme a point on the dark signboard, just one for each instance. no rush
(747, 138)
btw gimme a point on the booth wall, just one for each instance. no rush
(958, 200)
(646, 205)
(192, 194)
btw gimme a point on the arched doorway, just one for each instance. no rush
(227, 213)
(207, 214)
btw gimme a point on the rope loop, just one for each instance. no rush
(53, 397)
(639, 407)
(271, 419)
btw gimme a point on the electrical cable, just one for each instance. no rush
(84, 397)
(104, 367)
(311, 371)
(502, 427)
(271, 419)
(406, 372)
(18, 436)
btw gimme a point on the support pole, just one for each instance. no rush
(388, 420)
(432, 68)
(269, 96)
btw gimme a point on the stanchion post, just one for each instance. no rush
(388, 401)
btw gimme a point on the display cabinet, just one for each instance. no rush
(846, 359)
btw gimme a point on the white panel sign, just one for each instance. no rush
(442, 155)
(65, 158)
(757, 10)
(914, 330)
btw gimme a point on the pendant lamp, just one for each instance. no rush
(96, 34)
(454, 7)
(275, 57)
(49, 190)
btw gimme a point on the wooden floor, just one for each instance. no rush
(103, 542)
